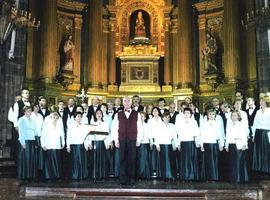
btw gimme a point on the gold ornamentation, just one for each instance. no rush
(139, 50)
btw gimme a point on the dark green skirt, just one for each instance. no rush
(52, 164)
(210, 162)
(188, 161)
(143, 161)
(238, 165)
(167, 164)
(27, 168)
(155, 162)
(116, 162)
(39, 154)
(78, 161)
(261, 151)
(98, 164)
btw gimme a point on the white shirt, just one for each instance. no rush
(212, 131)
(52, 136)
(100, 126)
(76, 134)
(115, 127)
(262, 120)
(11, 114)
(146, 138)
(38, 119)
(153, 125)
(244, 120)
(166, 134)
(16, 111)
(187, 129)
(236, 134)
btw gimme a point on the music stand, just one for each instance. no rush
(95, 133)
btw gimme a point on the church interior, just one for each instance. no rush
(169, 49)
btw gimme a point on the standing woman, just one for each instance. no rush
(188, 131)
(76, 134)
(212, 140)
(154, 123)
(52, 141)
(27, 168)
(236, 144)
(98, 145)
(261, 133)
(165, 141)
(143, 160)
(38, 119)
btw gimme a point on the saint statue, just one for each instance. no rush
(68, 55)
(140, 28)
(209, 54)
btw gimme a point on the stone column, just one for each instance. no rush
(48, 30)
(112, 64)
(174, 51)
(104, 59)
(231, 40)
(94, 53)
(185, 35)
(202, 45)
(167, 66)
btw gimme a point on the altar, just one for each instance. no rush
(139, 69)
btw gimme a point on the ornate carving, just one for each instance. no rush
(214, 23)
(139, 50)
(66, 23)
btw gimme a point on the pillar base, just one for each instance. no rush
(166, 88)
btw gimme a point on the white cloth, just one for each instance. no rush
(11, 114)
(166, 134)
(146, 138)
(236, 134)
(262, 121)
(100, 126)
(71, 120)
(212, 131)
(187, 129)
(38, 119)
(76, 134)
(115, 127)
(153, 125)
(52, 136)
(244, 120)
(16, 111)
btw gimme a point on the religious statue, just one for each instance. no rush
(140, 28)
(67, 64)
(209, 54)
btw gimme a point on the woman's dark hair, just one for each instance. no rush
(157, 108)
(188, 109)
(106, 105)
(79, 106)
(77, 113)
(95, 117)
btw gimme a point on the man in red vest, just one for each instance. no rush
(127, 134)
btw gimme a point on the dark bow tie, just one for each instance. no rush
(127, 110)
(61, 111)
(26, 101)
(251, 108)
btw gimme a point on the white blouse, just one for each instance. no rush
(153, 126)
(146, 138)
(236, 134)
(166, 134)
(212, 131)
(38, 119)
(187, 129)
(52, 136)
(262, 120)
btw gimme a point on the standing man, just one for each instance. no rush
(93, 108)
(173, 112)
(161, 105)
(136, 100)
(43, 109)
(127, 134)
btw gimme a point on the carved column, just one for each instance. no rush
(248, 45)
(185, 34)
(48, 40)
(167, 66)
(202, 45)
(231, 39)
(94, 43)
(174, 49)
(104, 59)
(112, 64)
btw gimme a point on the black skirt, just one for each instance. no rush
(116, 162)
(39, 154)
(261, 151)
(27, 168)
(167, 162)
(188, 161)
(98, 163)
(143, 161)
(155, 162)
(78, 159)
(52, 164)
(238, 165)
(210, 162)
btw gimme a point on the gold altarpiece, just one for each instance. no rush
(108, 37)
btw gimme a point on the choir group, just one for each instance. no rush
(226, 142)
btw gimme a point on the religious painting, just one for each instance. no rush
(139, 73)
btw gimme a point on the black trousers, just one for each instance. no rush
(127, 160)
